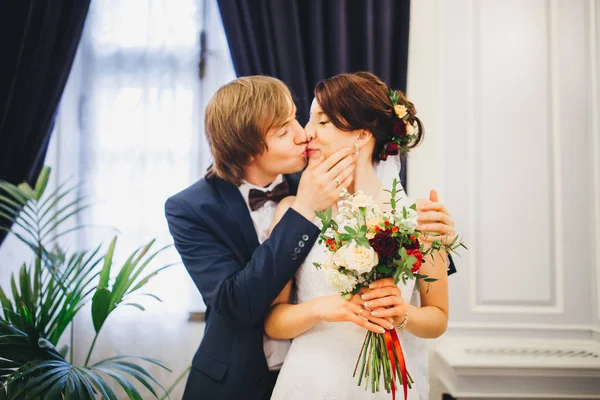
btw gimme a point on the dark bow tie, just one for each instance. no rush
(258, 198)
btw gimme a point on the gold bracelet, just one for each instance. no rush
(402, 324)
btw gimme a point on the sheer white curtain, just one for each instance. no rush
(139, 103)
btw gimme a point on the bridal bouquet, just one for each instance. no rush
(365, 244)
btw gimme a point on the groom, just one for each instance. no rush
(220, 226)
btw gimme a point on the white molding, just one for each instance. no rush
(506, 368)
(558, 331)
(594, 31)
(556, 170)
(559, 288)
(439, 15)
(470, 66)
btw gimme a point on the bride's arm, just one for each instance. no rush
(431, 318)
(287, 321)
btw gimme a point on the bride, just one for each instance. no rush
(328, 331)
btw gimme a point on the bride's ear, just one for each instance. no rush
(364, 136)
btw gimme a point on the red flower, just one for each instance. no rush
(386, 223)
(414, 244)
(329, 241)
(383, 156)
(377, 229)
(394, 229)
(399, 128)
(384, 244)
(392, 149)
(419, 256)
(413, 238)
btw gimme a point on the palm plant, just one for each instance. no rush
(48, 293)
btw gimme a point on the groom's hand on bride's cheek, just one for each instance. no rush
(434, 218)
(323, 181)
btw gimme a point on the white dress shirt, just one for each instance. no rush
(275, 350)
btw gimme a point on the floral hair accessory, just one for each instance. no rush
(402, 131)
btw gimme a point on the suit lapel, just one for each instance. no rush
(232, 198)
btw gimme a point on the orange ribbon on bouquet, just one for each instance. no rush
(392, 342)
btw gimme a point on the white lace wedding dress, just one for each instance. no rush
(321, 361)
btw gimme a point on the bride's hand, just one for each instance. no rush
(335, 309)
(385, 299)
(434, 218)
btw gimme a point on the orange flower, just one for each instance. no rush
(395, 229)
(400, 110)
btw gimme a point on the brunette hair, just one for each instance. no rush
(361, 100)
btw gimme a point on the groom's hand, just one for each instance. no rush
(434, 218)
(322, 182)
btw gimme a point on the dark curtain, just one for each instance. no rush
(39, 39)
(304, 41)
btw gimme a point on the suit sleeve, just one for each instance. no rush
(239, 293)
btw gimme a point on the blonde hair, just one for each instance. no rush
(237, 119)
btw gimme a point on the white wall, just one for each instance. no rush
(503, 88)
(594, 45)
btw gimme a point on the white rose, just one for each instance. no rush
(339, 257)
(360, 259)
(361, 200)
(340, 282)
(328, 261)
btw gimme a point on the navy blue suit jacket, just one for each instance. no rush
(238, 279)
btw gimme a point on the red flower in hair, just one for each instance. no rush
(383, 156)
(399, 128)
(392, 149)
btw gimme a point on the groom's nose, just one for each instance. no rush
(300, 136)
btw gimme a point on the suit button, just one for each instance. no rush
(305, 237)
(302, 243)
(294, 256)
(297, 250)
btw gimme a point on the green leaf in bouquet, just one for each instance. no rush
(344, 237)
(350, 230)
(384, 269)
(429, 280)
(363, 241)
(320, 215)
(317, 265)
(402, 253)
